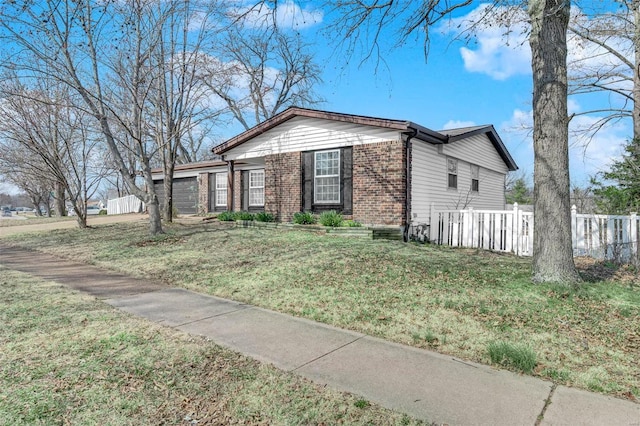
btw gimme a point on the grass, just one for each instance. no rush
(455, 301)
(33, 220)
(69, 359)
(520, 357)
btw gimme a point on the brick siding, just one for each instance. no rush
(203, 193)
(283, 186)
(379, 183)
(237, 191)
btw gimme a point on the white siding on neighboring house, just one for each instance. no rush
(429, 183)
(477, 149)
(310, 134)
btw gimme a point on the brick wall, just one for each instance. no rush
(203, 193)
(283, 188)
(379, 183)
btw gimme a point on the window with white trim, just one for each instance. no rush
(221, 189)
(256, 188)
(326, 180)
(452, 173)
(475, 178)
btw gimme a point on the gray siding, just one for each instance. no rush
(429, 184)
(479, 150)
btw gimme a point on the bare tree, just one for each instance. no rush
(179, 103)
(16, 169)
(53, 137)
(368, 22)
(609, 42)
(260, 73)
(81, 44)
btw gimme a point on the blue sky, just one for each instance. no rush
(483, 81)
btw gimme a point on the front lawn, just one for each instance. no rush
(67, 358)
(458, 302)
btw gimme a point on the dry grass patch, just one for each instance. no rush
(70, 359)
(455, 301)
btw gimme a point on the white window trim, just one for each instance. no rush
(252, 172)
(219, 177)
(315, 177)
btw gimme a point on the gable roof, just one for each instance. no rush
(408, 127)
(454, 135)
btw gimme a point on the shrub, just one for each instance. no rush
(243, 216)
(331, 218)
(351, 224)
(226, 217)
(102, 212)
(264, 217)
(304, 218)
(521, 357)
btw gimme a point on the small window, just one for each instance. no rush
(452, 173)
(475, 178)
(256, 188)
(221, 189)
(327, 177)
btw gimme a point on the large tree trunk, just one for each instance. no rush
(636, 70)
(167, 207)
(552, 245)
(59, 200)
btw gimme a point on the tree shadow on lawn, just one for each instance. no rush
(594, 271)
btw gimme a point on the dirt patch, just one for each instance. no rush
(593, 270)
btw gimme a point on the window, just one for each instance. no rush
(256, 188)
(452, 173)
(475, 178)
(221, 189)
(327, 177)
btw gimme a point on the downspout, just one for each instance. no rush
(407, 199)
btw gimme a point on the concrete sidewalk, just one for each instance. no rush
(423, 384)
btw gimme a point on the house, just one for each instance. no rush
(376, 171)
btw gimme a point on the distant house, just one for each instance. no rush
(376, 171)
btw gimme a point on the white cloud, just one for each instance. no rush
(502, 51)
(457, 124)
(287, 14)
(501, 48)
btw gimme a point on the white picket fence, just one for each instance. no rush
(122, 205)
(599, 236)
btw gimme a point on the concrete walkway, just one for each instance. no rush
(423, 384)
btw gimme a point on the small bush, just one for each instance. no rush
(304, 218)
(351, 224)
(226, 217)
(102, 212)
(330, 218)
(507, 354)
(243, 216)
(264, 217)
